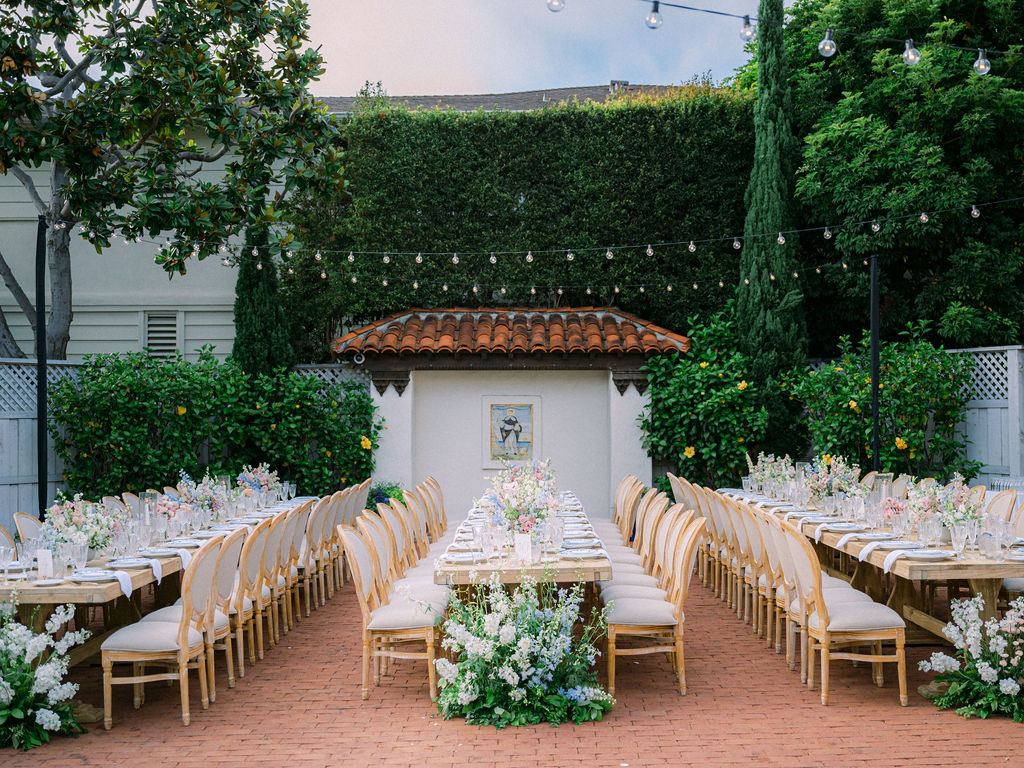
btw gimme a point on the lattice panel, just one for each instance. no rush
(18, 383)
(336, 373)
(990, 376)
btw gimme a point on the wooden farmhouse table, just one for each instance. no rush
(906, 592)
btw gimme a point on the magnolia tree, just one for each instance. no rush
(191, 118)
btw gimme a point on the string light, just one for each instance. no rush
(746, 281)
(747, 32)
(691, 247)
(589, 291)
(259, 266)
(653, 18)
(323, 276)
(384, 282)
(226, 262)
(559, 291)
(796, 274)
(982, 65)
(351, 258)
(617, 289)
(529, 257)
(781, 239)
(533, 291)
(911, 55)
(827, 234)
(875, 226)
(650, 251)
(503, 290)
(669, 287)
(291, 270)
(736, 244)
(771, 276)
(224, 249)
(455, 258)
(419, 258)
(415, 285)
(386, 259)
(569, 256)
(444, 287)
(354, 278)
(844, 265)
(476, 289)
(975, 213)
(827, 47)
(642, 289)
(493, 259)
(923, 218)
(556, 5)
(609, 255)
(255, 251)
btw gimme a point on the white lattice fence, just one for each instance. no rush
(18, 383)
(336, 373)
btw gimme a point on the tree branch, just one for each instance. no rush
(204, 157)
(7, 275)
(26, 181)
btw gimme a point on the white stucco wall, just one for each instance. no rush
(585, 427)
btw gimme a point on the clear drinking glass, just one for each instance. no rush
(6, 558)
(958, 537)
(931, 530)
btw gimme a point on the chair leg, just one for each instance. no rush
(229, 652)
(240, 646)
(611, 661)
(877, 667)
(137, 688)
(901, 666)
(183, 688)
(204, 691)
(824, 670)
(681, 663)
(211, 682)
(431, 671)
(366, 665)
(809, 646)
(804, 655)
(258, 621)
(107, 674)
(307, 582)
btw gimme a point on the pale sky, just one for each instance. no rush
(427, 47)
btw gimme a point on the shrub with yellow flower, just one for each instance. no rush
(690, 452)
(901, 444)
(364, 441)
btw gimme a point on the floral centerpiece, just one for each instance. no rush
(259, 478)
(519, 659)
(986, 674)
(892, 507)
(200, 493)
(77, 521)
(773, 470)
(169, 506)
(924, 501)
(523, 495)
(830, 475)
(957, 505)
(34, 702)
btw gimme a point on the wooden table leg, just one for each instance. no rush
(989, 591)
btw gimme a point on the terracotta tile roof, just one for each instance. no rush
(579, 330)
(518, 101)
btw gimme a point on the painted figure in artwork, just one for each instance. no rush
(510, 429)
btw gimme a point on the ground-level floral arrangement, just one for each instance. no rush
(35, 701)
(985, 677)
(519, 657)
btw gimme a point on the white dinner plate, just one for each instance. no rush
(1015, 557)
(15, 575)
(45, 582)
(129, 562)
(184, 543)
(462, 546)
(215, 534)
(93, 575)
(899, 544)
(928, 554)
(844, 527)
(460, 557)
(581, 543)
(157, 552)
(583, 554)
(876, 536)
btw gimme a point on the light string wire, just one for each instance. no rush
(833, 30)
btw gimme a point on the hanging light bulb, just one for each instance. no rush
(669, 287)
(384, 282)
(817, 270)
(911, 55)
(288, 254)
(354, 278)
(224, 249)
(642, 289)
(827, 47)
(415, 285)
(923, 218)
(225, 262)
(255, 251)
(650, 251)
(529, 257)
(559, 291)
(503, 290)
(588, 290)
(796, 274)
(445, 287)
(419, 258)
(455, 258)
(653, 18)
(827, 234)
(975, 213)
(323, 276)
(259, 266)
(746, 281)
(387, 259)
(493, 259)
(771, 275)
(351, 258)
(875, 226)
(982, 65)
(569, 256)
(609, 255)
(844, 265)
(691, 247)
(747, 33)
(291, 270)
(475, 289)
(556, 5)
(781, 239)
(617, 289)
(721, 284)
(736, 244)
(533, 291)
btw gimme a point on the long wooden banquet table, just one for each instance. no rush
(906, 595)
(36, 603)
(564, 569)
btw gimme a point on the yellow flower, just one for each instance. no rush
(742, 385)
(827, 458)
(365, 442)
(739, 439)
(273, 426)
(181, 410)
(853, 404)
(912, 452)
(704, 364)
(689, 452)
(901, 443)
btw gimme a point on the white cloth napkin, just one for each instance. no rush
(795, 513)
(185, 556)
(817, 532)
(846, 539)
(158, 569)
(871, 547)
(125, 581)
(891, 558)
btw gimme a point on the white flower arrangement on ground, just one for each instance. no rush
(519, 661)
(77, 521)
(986, 675)
(34, 699)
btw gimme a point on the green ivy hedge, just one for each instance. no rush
(130, 422)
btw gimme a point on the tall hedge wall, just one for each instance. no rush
(638, 170)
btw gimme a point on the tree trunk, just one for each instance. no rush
(58, 257)
(8, 346)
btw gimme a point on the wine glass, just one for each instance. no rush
(6, 558)
(958, 537)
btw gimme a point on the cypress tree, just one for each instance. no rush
(769, 310)
(261, 344)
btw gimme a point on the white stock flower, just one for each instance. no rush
(447, 670)
(492, 622)
(61, 616)
(6, 693)
(506, 634)
(47, 718)
(47, 676)
(1009, 687)
(35, 646)
(987, 672)
(62, 692)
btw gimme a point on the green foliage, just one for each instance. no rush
(637, 170)
(261, 341)
(382, 492)
(130, 422)
(886, 141)
(923, 393)
(705, 413)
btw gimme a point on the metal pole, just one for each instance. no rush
(41, 364)
(876, 437)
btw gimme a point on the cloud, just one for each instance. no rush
(419, 47)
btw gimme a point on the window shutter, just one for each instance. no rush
(162, 333)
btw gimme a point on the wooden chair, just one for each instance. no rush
(308, 573)
(658, 623)
(657, 583)
(114, 504)
(835, 626)
(179, 647)
(900, 486)
(264, 605)
(388, 630)
(1001, 505)
(977, 494)
(28, 526)
(6, 540)
(133, 503)
(241, 610)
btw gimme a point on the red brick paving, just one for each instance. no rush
(301, 707)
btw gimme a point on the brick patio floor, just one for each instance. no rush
(301, 707)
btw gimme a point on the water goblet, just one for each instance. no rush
(989, 545)
(931, 530)
(958, 538)
(973, 527)
(6, 558)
